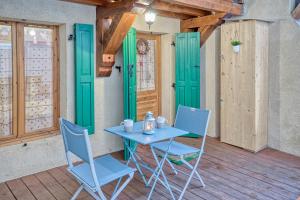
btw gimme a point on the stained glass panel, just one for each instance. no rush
(5, 80)
(38, 46)
(145, 68)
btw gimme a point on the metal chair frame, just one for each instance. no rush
(190, 115)
(76, 142)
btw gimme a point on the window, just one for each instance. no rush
(28, 81)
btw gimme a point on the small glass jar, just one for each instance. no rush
(149, 123)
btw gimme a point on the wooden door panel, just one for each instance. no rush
(237, 89)
(148, 97)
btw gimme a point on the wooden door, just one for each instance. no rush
(148, 75)
(244, 85)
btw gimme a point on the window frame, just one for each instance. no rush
(19, 85)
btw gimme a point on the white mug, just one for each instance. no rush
(160, 121)
(128, 125)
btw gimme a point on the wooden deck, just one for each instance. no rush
(229, 173)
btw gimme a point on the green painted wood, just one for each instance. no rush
(129, 78)
(187, 71)
(84, 76)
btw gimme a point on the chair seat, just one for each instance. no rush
(176, 148)
(107, 169)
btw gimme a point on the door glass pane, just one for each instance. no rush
(38, 44)
(5, 81)
(145, 68)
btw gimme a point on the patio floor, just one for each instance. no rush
(229, 173)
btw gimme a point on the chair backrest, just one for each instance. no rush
(76, 140)
(192, 120)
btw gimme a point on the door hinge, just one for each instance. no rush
(130, 70)
(174, 85)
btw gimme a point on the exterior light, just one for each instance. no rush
(150, 17)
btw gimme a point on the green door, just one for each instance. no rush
(188, 70)
(84, 76)
(129, 78)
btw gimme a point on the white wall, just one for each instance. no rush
(39, 155)
(16, 160)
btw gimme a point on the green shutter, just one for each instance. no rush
(188, 70)
(129, 78)
(84, 76)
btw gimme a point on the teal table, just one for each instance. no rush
(137, 135)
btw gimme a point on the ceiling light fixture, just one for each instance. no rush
(150, 16)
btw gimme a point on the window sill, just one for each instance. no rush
(25, 139)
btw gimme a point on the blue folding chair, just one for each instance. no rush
(194, 121)
(92, 174)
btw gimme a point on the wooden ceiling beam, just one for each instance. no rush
(113, 37)
(201, 21)
(163, 12)
(169, 7)
(210, 5)
(173, 15)
(112, 24)
(206, 31)
(88, 2)
(114, 9)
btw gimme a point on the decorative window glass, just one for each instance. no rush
(5, 80)
(145, 68)
(38, 52)
(29, 77)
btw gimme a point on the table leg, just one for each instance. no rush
(159, 170)
(132, 157)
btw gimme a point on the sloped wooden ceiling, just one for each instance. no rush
(115, 17)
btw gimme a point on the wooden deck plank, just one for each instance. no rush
(5, 193)
(107, 189)
(230, 173)
(70, 185)
(265, 170)
(287, 159)
(196, 191)
(264, 192)
(280, 186)
(69, 182)
(19, 190)
(262, 160)
(159, 193)
(37, 188)
(53, 186)
(144, 191)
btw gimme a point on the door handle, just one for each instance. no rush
(196, 66)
